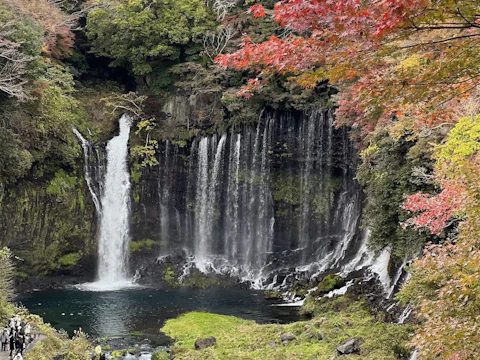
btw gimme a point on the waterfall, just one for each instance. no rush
(404, 315)
(308, 133)
(233, 201)
(201, 217)
(164, 191)
(208, 186)
(257, 201)
(87, 152)
(114, 223)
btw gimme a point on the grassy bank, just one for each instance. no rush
(317, 338)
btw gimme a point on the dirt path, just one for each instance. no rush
(5, 355)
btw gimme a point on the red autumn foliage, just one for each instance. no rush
(257, 11)
(435, 210)
(360, 46)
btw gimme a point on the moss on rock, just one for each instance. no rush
(144, 245)
(328, 283)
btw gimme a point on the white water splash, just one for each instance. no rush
(380, 267)
(114, 224)
(339, 292)
(362, 257)
(292, 304)
(404, 315)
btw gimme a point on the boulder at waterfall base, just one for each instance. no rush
(287, 337)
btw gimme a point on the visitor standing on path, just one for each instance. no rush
(4, 338)
(11, 324)
(19, 344)
(28, 329)
(12, 342)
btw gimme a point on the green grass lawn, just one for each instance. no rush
(242, 339)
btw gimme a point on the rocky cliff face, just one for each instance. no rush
(50, 226)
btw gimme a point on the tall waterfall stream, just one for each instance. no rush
(114, 233)
(257, 201)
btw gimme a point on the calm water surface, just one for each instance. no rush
(119, 313)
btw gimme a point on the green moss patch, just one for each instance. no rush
(54, 344)
(70, 259)
(328, 283)
(136, 333)
(197, 279)
(141, 245)
(242, 339)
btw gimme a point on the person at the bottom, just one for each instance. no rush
(19, 344)
(12, 342)
(4, 337)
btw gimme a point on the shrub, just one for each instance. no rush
(160, 355)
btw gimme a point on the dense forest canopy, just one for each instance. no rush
(406, 73)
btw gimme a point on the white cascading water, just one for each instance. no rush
(405, 315)
(231, 245)
(201, 225)
(164, 193)
(87, 148)
(308, 133)
(207, 196)
(259, 201)
(114, 223)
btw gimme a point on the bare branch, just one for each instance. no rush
(222, 7)
(214, 42)
(130, 103)
(12, 66)
(421, 173)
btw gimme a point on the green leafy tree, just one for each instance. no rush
(386, 172)
(445, 286)
(6, 274)
(137, 33)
